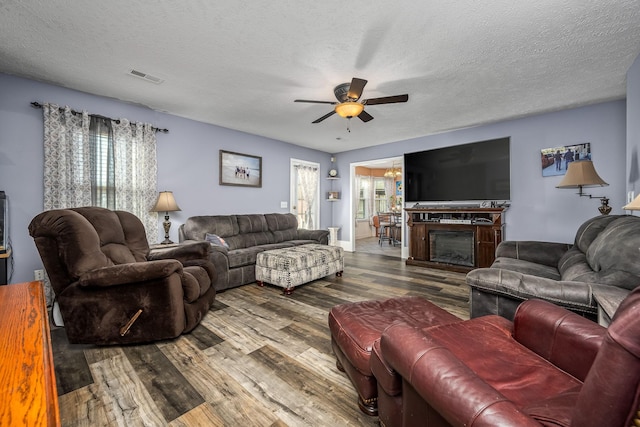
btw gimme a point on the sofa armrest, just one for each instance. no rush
(577, 296)
(445, 383)
(183, 252)
(545, 253)
(567, 340)
(130, 273)
(322, 236)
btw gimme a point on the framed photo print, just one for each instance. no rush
(241, 170)
(555, 160)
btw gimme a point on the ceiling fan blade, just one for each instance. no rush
(356, 88)
(365, 117)
(315, 102)
(324, 117)
(386, 100)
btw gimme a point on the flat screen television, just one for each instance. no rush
(479, 171)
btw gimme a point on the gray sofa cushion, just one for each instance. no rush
(244, 256)
(615, 253)
(282, 227)
(573, 264)
(591, 229)
(526, 267)
(197, 227)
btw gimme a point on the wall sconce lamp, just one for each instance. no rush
(166, 203)
(581, 173)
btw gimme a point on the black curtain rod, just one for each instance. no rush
(36, 104)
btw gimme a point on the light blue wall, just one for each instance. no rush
(187, 162)
(538, 211)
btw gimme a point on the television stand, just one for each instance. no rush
(455, 239)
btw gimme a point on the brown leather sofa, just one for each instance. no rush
(110, 288)
(549, 367)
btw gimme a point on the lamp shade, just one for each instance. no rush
(165, 203)
(581, 173)
(634, 205)
(349, 109)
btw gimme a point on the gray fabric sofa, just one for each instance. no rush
(236, 241)
(605, 256)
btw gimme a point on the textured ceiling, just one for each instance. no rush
(240, 64)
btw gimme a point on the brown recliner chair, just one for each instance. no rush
(550, 367)
(110, 288)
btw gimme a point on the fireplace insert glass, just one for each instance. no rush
(452, 247)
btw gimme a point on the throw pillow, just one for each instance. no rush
(216, 240)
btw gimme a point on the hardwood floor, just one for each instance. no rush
(259, 358)
(371, 245)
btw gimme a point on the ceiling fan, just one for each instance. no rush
(348, 95)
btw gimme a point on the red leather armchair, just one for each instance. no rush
(549, 367)
(110, 288)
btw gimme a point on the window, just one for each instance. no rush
(372, 198)
(380, 199)
(103, 187)
(363, 196)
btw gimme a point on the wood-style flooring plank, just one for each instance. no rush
(169, 389)
(83, 407)
(126, 399)
(258, 358)
(72, 371)
(227, 402)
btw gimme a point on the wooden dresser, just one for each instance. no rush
(27, 377)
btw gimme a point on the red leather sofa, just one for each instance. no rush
(549, 367)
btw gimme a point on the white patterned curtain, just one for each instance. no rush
(369, 197)
(356, 194)
(136, 170)
(308, 185)
(67, 172)
(389, 190)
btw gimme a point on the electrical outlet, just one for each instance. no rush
(38, 274)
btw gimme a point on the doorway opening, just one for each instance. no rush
(377, 194)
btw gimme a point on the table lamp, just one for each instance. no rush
(634, 205)
(581, 173)
(166, 203)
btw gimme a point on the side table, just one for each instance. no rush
(608, 300)
(333, 236)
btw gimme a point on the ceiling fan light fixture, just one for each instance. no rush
(349, 109)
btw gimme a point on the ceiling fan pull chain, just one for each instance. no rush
(349, 124)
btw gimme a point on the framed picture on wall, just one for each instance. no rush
(242, 170)
(555, 160)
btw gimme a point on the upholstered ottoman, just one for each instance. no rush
(290, 267)
(356, 326)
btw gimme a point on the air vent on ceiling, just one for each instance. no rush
(145, 76)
